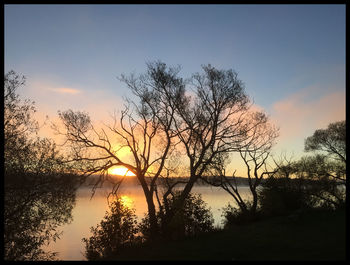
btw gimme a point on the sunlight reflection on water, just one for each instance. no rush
(89, 212)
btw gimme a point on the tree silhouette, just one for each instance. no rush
(313, 181)
(254, 155)
(118, 229)
(39, 191)
(199, 130)
(331, 141)
(143, 129)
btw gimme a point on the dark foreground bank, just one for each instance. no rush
(316, 235)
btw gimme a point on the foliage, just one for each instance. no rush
(327, 171)
(331, 140)
(39, 188)
(18, 124)
(237, 216)
(33, 211)
(193, 219)
(118, 229)
(324, 180)
(280, 196)
(316, 182)
(318, 235)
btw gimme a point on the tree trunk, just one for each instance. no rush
(255, 202)
(154, 231)
(173, 226)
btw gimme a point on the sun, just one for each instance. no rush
(120, 171)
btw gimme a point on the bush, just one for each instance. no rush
(235, 216)
(193, 219)
(324, 179)
(195, 216)
(117, 230)
(281, 196)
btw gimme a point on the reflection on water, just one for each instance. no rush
(127, 201)
(89, 212)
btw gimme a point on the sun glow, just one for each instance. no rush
(127, 201)
(121, 171)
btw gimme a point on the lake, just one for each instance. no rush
(89, 212)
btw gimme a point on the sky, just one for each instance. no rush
(291, 58)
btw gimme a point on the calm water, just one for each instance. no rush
(89, 212)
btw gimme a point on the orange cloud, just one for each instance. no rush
(300, 114)
(66, 90)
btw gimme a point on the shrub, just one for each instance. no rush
(192, 219)
(195, 215)
(280, 196)
(235, 216)
(118, 229)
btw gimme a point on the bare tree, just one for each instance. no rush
(203, 128)
(143, 129)
(211, 123)
(254, 154)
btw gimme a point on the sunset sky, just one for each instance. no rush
(291, 58)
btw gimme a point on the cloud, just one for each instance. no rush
(301, 113)
(50, 96)
(66, 90)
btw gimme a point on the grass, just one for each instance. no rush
(317, 235)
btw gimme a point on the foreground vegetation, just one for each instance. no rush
(313, 235)
(39, 188)
(283, 220)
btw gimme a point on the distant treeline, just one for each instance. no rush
(130, 180)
